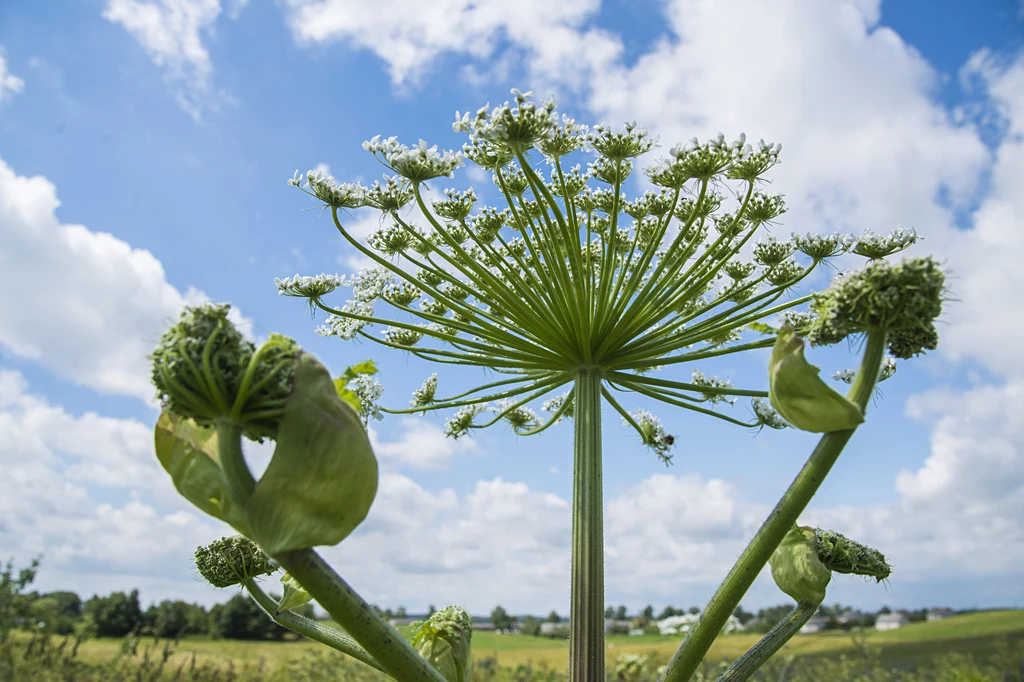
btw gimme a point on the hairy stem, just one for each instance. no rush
(586, 617)
(358, 618)
(758, 655)
(775, 527)
(314, 630)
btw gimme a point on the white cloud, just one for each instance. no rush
(113, 300)
(9, 83)
(171, 33)
(409, 35)
(53, 462)
(420, 445)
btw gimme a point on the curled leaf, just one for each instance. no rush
(796, 568)
(800, 395)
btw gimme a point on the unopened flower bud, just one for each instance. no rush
(843, 555)
(444, 641)
(232, 561)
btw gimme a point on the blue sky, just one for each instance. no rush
(145, 148)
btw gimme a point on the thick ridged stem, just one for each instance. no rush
(358, 618)
(586, 616)
(768, 537)
(747, 664)
(314, 630)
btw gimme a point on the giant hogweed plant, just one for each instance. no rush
(575, 296)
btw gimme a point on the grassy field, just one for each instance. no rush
(975, 633)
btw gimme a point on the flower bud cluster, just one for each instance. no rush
(231, 561)
(903, 300)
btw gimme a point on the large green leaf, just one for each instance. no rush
(322, 478)
(799, 394)
(188, 452)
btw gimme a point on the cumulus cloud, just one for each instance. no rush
(420, 445)
(408, 35)
(170, 31)
(9, 83)
(54, 465)
(115, 300)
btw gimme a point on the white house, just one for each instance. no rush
(891, 621)
(939, 614)
(813, 625)
(680, 625)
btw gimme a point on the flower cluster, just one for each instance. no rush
(562, 276)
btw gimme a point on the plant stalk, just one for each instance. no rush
(586, 611)
(311, 629)
(376, 635)
(700, 638)
(758, 655)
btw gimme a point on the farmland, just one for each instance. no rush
(976, 633)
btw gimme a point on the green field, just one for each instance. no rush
(975, 633)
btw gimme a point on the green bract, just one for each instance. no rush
(444, 640)
(796, 568)
(800, 395)
(295, 595)
(322, 478)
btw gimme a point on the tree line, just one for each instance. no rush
(120, 613)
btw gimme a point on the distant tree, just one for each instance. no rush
(884, 610)
(531, 626)
(771, 616)
(500, 619)
(694, 610)
(669, 611)
(620, 613)
(388, 613)
(115, 615)
(431, 610)
(742, 615)
(171, 618)
(648, 613)
(400, 613)
(14, 602)
(241, 618)
(553, 617)
(609, 612)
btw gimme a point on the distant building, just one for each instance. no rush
(848, 618)
(891, 621)
(815, 624)
(484, 627)
(636, 632)
(399, 622)
(550, 628)
(610, 625)
(939, 614)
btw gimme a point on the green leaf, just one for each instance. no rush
(796, 568)
(765, 329)
(364, 367)
(188, 452)
(295, 595)
(345, 394)
(799, 394)
(322, 478)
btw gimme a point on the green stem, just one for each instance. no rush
(700, 638)
(348, 609)
(586, 610)
(310, 629)
(758, 655)
(237, 476)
